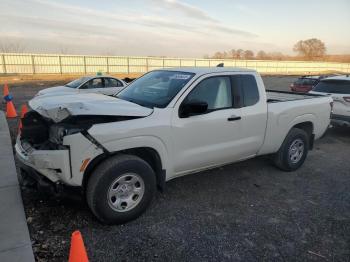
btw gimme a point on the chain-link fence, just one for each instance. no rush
(11, 63)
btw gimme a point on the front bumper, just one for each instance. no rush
(33, 179)
(340, 120)
(52, 164)
(64, 165)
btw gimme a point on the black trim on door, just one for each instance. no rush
(234, 118)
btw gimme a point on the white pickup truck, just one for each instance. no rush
(166, 124)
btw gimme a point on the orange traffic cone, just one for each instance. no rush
(24, 110)
(77, 251)
(10, 110)
(6, 90)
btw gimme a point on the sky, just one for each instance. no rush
(173, 28)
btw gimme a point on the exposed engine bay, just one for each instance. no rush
(43, 133)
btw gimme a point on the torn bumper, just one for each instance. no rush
(53, 164)
(32, 178)
(60, 166)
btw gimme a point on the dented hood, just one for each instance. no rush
(60, 107)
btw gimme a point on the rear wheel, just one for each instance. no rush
(120, 189)
(293, 150)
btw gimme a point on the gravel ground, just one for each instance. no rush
(248, 211)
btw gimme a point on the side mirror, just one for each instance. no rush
(191, 108)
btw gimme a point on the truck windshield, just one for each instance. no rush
(156, 89)
(77, 82)
(333, 86)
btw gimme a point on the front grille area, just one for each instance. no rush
(35, 129)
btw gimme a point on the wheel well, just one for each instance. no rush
(148, 154)
(308, 127)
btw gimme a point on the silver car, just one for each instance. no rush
(88, 84)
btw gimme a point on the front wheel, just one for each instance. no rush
(120, 189)
(293, 150)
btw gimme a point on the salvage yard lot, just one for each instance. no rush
(248, 211)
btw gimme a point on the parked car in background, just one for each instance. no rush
(338, 87)
(165, 124)
(106, 85)
(305, 83)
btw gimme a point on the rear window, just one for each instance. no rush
(111, 82)
(310, 82)
(305, 81)
(333, 86)
(298, 82)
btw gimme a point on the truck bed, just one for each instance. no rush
(287, 109)
(283, 96)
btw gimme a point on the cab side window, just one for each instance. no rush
(215, 91)
(250, 90)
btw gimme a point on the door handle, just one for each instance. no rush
(234, 118)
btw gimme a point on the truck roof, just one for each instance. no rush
(208, 70)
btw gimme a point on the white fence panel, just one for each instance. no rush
(75, 64)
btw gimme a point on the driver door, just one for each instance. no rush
(212, 138)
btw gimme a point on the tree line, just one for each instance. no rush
(247, 54)
(310, 49)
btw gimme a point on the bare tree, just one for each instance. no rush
(248, 54)
(11, 47)
(276, 56)
(239, 54)
(310, 48)
(261, 55)
(218, 55)
(232, 53)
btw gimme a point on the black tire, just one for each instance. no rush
(282, 159)
(105, 175)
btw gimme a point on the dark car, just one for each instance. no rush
(305, 83)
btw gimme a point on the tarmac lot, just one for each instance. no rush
(248, 211)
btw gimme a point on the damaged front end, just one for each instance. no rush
(54, 140)
(59, 151)
(44, 134)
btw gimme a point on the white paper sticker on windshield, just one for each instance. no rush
(180, 76)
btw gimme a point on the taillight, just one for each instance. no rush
(347, 98)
